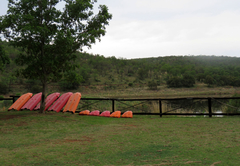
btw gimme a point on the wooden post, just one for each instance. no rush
(210, 107)
(160, 107)
(113, 109)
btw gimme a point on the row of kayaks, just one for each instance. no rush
(52, 103)
(55, 102)
(116, 114)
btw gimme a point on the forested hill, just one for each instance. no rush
(175, 71)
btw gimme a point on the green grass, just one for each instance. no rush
(29, 138)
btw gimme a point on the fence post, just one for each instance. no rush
(14, 98)
(113, 105)
(160, 107)
(210, 107)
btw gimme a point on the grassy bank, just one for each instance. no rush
(29, 138)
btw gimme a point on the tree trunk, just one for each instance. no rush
(42, 106)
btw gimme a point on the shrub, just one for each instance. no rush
(152, 85)
(209, 80)
(71, 81)
(174, 82)
(188, 80)
(177, 82)
(130, 84)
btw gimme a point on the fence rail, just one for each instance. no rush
(159, 100)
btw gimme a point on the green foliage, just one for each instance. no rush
(4, 88)
(188, 80)
(209, 80)
(7, 103)
(178, 82)
(4, 59)
(33, 86)
(130, 84)
(142, 73)
(152, 85)
(48, 37)
(110, 87)
(175, 82)
(71, 81)
(84, 73)
(234, 105)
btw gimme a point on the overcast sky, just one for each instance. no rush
(152, 28)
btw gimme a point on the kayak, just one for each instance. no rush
(31, 103)
(72, 103)
(60, 102)
(17, 105)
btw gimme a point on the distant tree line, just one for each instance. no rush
(174, 71)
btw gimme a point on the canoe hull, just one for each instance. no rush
(60, 102)
(73, 102)
(17, 105)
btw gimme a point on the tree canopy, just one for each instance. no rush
(4, 59)
(49, 37)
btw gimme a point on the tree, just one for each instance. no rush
(49, 37)
(4, 59)
(152, 85)
(209, 80)
(71, 81)
(188, 80)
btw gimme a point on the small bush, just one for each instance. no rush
(18, 94)
(71, 81)
(178, 82)
(152, 85)
(130, 84)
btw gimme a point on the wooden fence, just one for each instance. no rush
(159, 100)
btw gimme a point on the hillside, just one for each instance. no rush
(110, 73)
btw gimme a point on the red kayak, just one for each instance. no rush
(105, 114)
(49, 100)
(61, 102)
(31, 104)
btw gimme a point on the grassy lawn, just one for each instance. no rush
(29, 138)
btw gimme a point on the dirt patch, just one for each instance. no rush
(6, 117)
(21, 124)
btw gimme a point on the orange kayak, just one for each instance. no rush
(73, 102)
(116, 114)
(85, 112)
(17, 105)
(127, 114)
